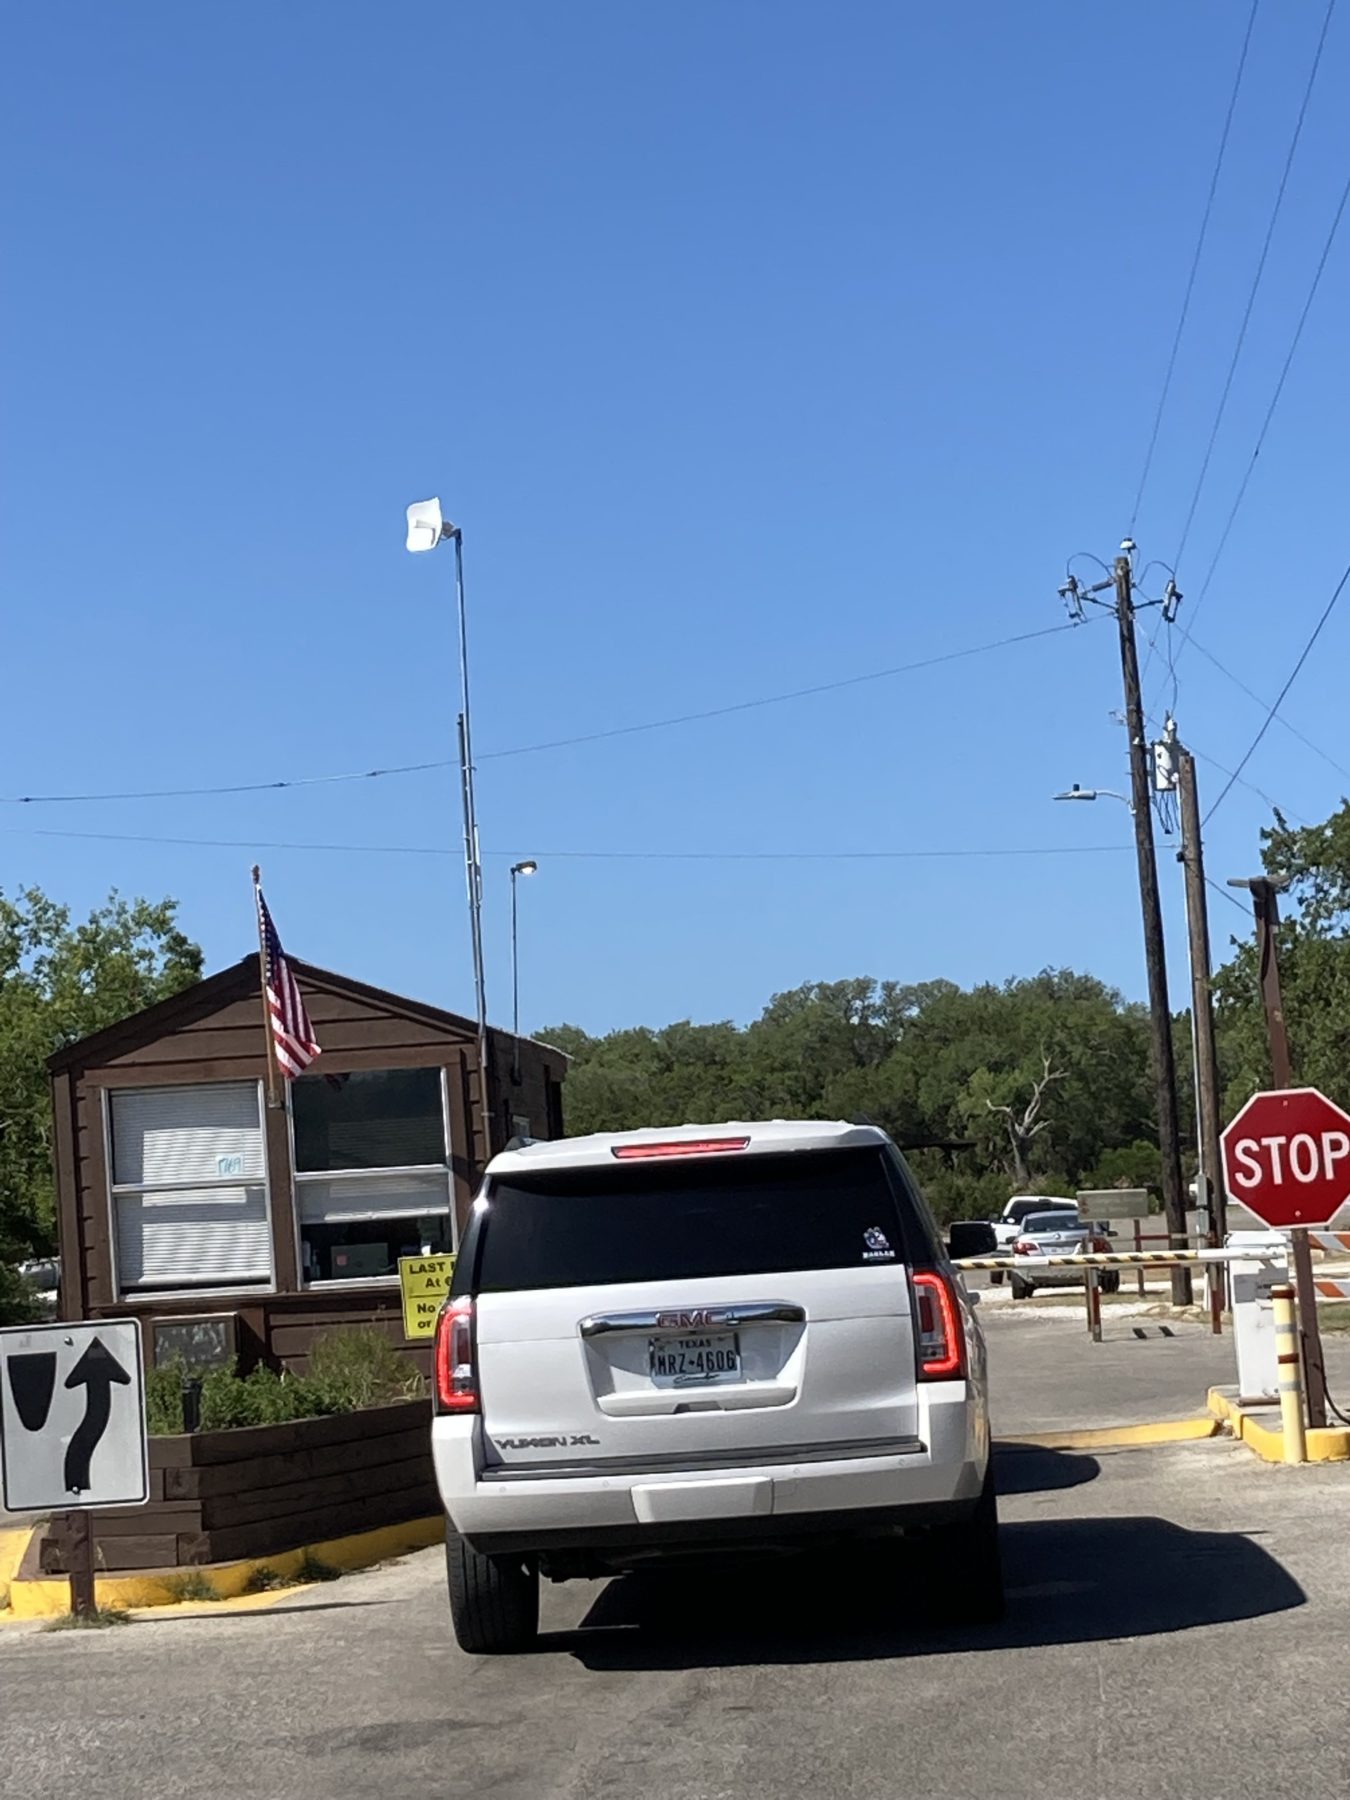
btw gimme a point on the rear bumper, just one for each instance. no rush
(1046, 1275)
(620, 1544)
(927, 1481)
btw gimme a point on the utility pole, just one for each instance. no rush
(1266, 907)
(1160, 1013)
(1208, 1120)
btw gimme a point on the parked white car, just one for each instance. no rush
(699, 1340)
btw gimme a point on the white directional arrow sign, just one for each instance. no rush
(72, 1416)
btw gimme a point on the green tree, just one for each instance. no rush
(59, 981)
(934, 1064)
(1314, 953)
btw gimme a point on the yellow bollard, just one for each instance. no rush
(1291, 1382)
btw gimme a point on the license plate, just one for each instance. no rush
(683, 1361)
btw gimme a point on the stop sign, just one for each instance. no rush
(1286, 1156)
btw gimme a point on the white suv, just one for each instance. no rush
(701, 1340)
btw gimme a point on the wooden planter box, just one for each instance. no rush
(220, 1495)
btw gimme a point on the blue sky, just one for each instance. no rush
(755, 344)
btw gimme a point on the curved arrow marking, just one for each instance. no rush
(97, 1371)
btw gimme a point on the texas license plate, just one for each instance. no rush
(682, 1361)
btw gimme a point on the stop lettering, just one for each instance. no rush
(1286, 1156)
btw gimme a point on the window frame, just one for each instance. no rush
(115, 1190)
(299, 1178)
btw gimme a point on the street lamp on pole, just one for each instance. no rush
(426, 530)
(528, 867)
(1082, 793)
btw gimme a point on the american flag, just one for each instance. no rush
(292, 1033)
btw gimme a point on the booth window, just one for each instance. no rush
(372, 1171)
(189, 1188)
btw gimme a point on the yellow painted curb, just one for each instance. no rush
(13, 1544)
(1121, 1437)
(49, 1597)
(1330, 1443)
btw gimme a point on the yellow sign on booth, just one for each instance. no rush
(425, 1281)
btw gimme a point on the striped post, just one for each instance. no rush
(1291, 1385)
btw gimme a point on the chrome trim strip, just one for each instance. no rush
(685, 1319)
(694, 1462)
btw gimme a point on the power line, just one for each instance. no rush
(1242, 781)
(1253, 695)
(1250, 470)
(1256, 281)
(610, 855)
(1219, 889)
(1304, 654)
(589, 737)
(1195, 265)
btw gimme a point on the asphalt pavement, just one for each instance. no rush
(1176, 1630)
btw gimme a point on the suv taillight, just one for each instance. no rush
(942, 1343)
(456, 1360)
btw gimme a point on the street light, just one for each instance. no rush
(1082, 793)
(426, 530)
(528, 867)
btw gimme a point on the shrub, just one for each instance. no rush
(192, 1586)
(262, 1580)
(314, 1568)
(164, 1400)
(360, 1367)
(348, 1369)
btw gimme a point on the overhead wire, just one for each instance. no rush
(605, 855)
(1194, 611)
(1251, 694)
(1195, 265)
(1256, 283)
(1220, 889)
(1275, 706)
(588, 737)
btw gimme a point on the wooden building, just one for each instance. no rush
(185, 1198)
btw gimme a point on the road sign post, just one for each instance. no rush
(1286, 1156)
(72, 1430)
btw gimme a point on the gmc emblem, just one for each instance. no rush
(697, 1318)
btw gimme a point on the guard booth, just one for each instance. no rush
(233, 1228)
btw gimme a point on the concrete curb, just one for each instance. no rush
(48, 1597)
(13, 1544)
(1116, 1437)
(1258, 1427)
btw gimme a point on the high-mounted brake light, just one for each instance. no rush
(680, 1147)
(942, 1343)
(456, 1360)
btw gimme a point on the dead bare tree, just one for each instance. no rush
(1025, 1126)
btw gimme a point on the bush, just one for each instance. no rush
(360, 1367)
(164, 1399)
(348, 1370)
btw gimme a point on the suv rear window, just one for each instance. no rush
(689, 1220)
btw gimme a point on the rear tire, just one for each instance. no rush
(1021, 1288)
(971, 1570)
(996, 1278)
(494, 1600)
(1110, 1281)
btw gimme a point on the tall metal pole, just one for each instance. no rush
(1266, 907)
(473, 867)
(1164, 1063)
(1208, 1123)
(515, 981)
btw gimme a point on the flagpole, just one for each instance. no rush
(268, 1039)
